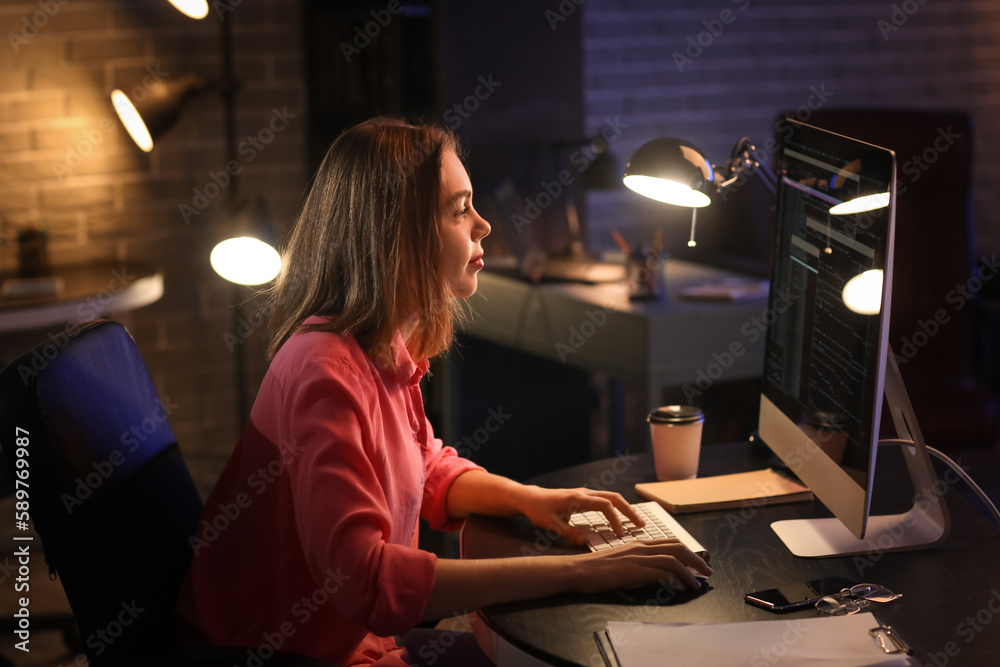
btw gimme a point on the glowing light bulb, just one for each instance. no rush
(196, 9)
(668, 192)
(246, 261)
(131, 120)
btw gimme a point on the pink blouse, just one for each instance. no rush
(308, 542)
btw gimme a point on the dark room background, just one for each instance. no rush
(513, 79)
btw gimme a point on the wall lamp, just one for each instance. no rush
(148, 118)
(245, 254)
(675, 171)
(196, 9)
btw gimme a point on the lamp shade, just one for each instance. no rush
(196, 9)
(245, 254)
(155, 108)
(673, 171)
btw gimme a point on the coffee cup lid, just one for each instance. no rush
(675, 414)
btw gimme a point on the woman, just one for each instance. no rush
(322, 494)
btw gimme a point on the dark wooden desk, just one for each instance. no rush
(949, 612)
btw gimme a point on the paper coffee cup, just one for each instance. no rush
(676, 435)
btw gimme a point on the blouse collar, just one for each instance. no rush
(407, 370)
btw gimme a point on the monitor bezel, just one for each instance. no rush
(838, 491)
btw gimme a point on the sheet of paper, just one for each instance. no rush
(825, 640)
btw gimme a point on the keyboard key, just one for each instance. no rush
(660, 524)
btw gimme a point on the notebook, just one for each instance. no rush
(757, 487)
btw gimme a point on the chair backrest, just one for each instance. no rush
(109, 492)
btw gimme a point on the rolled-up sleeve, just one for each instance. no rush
(342, 513)
(442, 468)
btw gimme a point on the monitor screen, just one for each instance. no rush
(827, 334)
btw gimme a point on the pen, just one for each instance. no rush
(620, 240)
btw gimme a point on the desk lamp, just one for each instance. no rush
(675, 171)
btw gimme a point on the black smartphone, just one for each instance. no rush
(794, 597)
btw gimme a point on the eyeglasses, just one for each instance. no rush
(854, 599)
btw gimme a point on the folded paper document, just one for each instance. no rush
(757, 487)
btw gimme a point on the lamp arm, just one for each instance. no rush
(744, 161)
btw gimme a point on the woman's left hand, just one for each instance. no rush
(551, 509)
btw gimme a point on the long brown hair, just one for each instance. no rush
(365, 247)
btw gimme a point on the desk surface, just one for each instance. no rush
(948, 592)
(89, 291)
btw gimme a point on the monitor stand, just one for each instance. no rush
(925, 525)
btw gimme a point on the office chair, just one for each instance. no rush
(109, 494)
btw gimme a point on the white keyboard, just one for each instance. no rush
(659, 524)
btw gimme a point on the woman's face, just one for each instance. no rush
(461, 229)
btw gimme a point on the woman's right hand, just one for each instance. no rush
(476, 583)
(640, 563)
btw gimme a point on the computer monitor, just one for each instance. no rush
(827, 360)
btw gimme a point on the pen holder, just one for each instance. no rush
(646, 275)
(32, 253)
